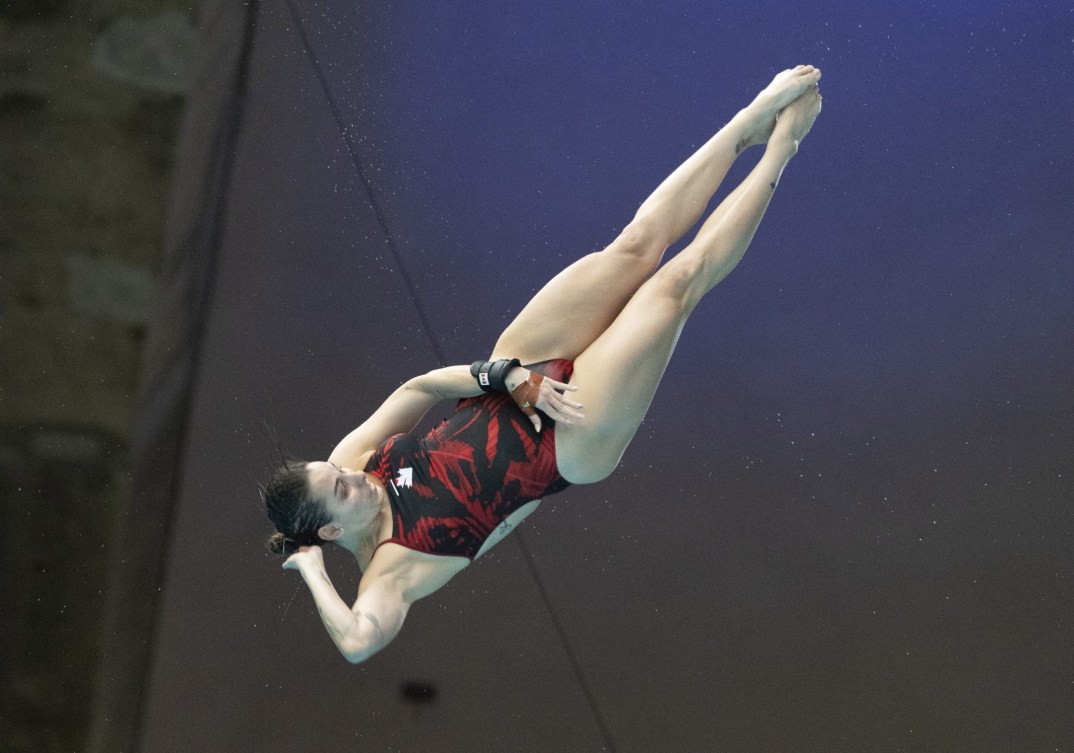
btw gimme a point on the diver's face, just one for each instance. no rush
(345, 493)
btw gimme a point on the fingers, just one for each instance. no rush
(555, 395)
(294, 562)
(561, 386)
(538, 392)
(560, 409)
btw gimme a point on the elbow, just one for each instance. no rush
(421, 383)
(428, 384)
(355, 654)
(357, 645)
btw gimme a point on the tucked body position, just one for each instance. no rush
(562, 394)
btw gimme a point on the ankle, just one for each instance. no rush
(782, 147)
(746, 121)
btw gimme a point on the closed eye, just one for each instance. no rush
(341, 485)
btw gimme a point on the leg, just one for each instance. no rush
(618, 374)
(581, 302)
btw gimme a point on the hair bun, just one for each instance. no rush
(277, 543)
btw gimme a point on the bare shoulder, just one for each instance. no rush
(413, 574)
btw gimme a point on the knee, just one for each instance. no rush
(641, 241)
(677, 282)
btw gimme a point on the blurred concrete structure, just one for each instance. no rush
(85, 159)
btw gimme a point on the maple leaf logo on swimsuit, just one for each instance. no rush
(405, 479)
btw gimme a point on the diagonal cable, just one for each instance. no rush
(568, 649)
(352, 151)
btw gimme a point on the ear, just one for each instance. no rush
(329, 532)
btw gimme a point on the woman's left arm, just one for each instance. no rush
(367, 627)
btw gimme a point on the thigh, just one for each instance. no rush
(617, 377)
(579, 303)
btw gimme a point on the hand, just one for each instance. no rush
(538, 392)
(305, 557)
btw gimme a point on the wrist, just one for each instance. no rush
(515, 377)
(310, 569)
(491, 376)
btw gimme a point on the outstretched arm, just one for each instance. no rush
(406, 406)
(359, 631)
(403, 409)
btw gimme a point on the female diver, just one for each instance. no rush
(416, 511)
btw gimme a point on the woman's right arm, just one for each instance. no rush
(406, 406)
(403, 409)
(359, 631)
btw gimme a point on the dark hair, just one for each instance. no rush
(291, 508)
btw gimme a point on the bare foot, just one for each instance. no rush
(796, 119)
(786, 87)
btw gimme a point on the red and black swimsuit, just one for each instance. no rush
(450, 489)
